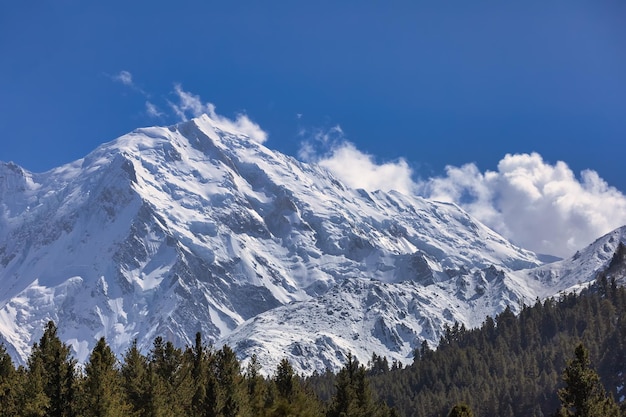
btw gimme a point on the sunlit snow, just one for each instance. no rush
(168, 231)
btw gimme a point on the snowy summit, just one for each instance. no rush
(168, 231)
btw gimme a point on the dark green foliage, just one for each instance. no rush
(285, 380)
(289, 397)
(212, 396)
(9, 384)
(200, 365)
(230, 382)
(52, 370)
(135, 381)
(102, 386)
(353, 396)
(170, 377)
(583, 394)
(461, 410)
(257, 388)
(378, 365)
(33, 400)
(167, 382)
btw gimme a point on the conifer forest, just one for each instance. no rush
(558, 357)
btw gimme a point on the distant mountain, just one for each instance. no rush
(173, 230)
(578, 270)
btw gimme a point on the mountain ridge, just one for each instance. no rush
(173, 230)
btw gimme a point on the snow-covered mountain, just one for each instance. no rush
(173, 230)
(606, 254)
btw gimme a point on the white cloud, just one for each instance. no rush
(359, 170)
(152, 110)
(355, 168)
(124, 77)
(540, 206)
(537, 205)
(189, 104)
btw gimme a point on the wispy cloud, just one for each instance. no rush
(186, 105)
(330, 149)
(152, 110)
(124, 77)
(191, 105)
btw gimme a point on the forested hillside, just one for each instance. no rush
(168, 382)
(511, 366)
(524, 365)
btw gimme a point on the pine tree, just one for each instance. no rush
(102, 388)
(290, 398)
(461, 410)
(212, 396)
(353, 396)
(199, 378)
(170, 380)
(58, 373)
(584, 395)
(135, 380)
(8, 384)
(33, 400)
(158, 401)
(256, 387)
(285, 380)
(173, 376)
(230, 382)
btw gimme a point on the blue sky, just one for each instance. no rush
(414, 86)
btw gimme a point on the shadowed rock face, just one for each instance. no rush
(171, 231)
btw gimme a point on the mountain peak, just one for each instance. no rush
(14, 178)
(168, 231)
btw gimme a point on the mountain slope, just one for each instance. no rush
(580, 269)
(170, 231)
(367, 316)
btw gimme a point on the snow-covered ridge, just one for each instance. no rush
(173, 230)
(577, 271)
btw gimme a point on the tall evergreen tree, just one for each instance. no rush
(213, 392)
(135, 381)
(59, 372)
(9, 384)
(102, 387)
(230, 382)
(158, 400)
(353, 396)
(290, 398)
(285, 380)
(461, 410)
(170, 386)
(256, 387)
(199, 377)
(583, 394)
(33, 400)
